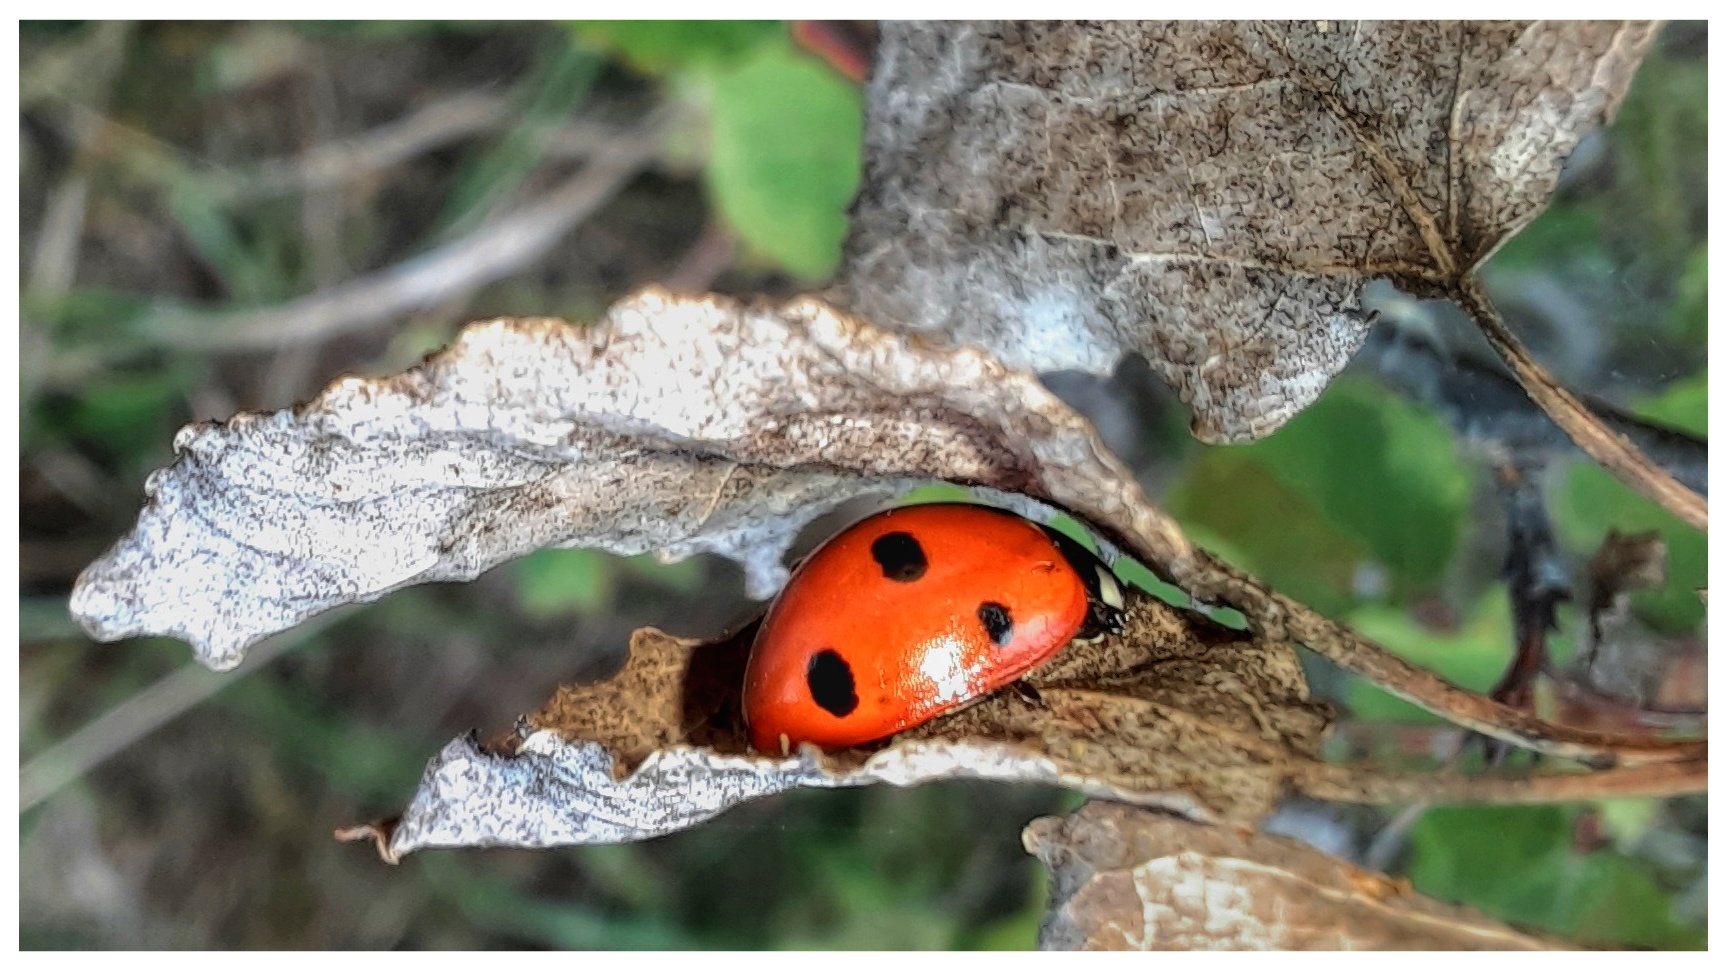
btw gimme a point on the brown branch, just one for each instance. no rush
(351, 159)
(1477, 712)
(497, 249)
(1342, 783)
(1612, 451)
(1580, 698)
(125, 724)
(1279, 616)
(709, 256)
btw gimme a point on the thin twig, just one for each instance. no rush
(293, 370)
(1340, 783)
(709, 256)
(1536, 581)
(84, 70)
(1613, 452)
(493, 251)
(54, 257)
(1278, 616)
(1356, 738)
(1578, 696)
(349, 160)
(150, 159)
(1479, 713)
(1484, 404)
(1388, 843)
(131, 720)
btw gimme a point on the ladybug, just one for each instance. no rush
(914, 612)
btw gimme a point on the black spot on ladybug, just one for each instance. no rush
(900, 557)
(997, 622)
(831, 683)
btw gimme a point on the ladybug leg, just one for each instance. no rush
(1101, 619)
(1105, 614)
(1027, 691)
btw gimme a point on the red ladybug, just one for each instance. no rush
(914, 612)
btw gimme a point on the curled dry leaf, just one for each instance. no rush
(676, 425)
(1626, 674)
(1211, 195)
(1175, 712)
(695, 424)
(1131, 879)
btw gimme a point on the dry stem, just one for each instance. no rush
(1278, 616)
(1612, 451)
(1340, 783)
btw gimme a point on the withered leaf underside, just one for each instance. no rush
(1176, 711)
(1128, 878)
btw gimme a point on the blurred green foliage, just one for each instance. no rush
(787, 137)
(560, 82)
(1590, 502)
(1689, 316)
(126, 418)
(551, 583)
(1661, 135)
(785, 129)
(665, 47)
(1519, 863)
(1361, 480)
(1472, 656)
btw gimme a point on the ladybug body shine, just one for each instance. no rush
(912, 613)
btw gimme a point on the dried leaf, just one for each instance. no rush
(677, 425)
(1622, 564)
(1627, 674)
(686, 424)
(1212, 195)
(1130, 879)
(1176, 713)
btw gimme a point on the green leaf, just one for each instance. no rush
(1567, 235)
(130, 412)
(1380, 469)
(661, 47)
(1234, 507)
(1474, 656)
(787, 143)
(552, 583)
(1688, 317)
(1361, 478)
(1684, 405)
(1517, 863)
(786, 130)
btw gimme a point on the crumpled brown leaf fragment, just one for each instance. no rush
(1176, 712)
(1626, 674)
(677, 425)
(1125, 878)
(1212, 195)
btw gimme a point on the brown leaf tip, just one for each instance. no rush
(379, 833)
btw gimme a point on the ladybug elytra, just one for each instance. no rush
(912, 613)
